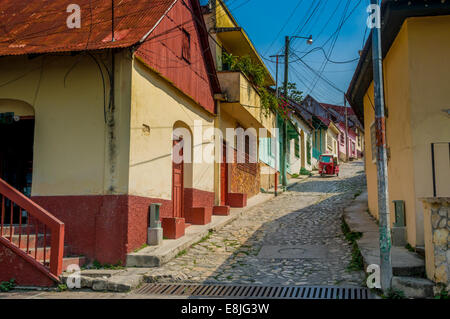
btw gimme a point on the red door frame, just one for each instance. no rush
(178, 169)
(224, 177)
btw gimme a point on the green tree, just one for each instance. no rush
(294, 94)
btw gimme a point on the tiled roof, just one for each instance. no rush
(40, 26)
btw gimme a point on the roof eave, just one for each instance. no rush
(393, 13)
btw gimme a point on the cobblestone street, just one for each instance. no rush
(294, 239)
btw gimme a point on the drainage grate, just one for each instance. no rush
(272, 292)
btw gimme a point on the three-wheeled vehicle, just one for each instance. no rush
(328, 165)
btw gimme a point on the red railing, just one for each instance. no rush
(30, 228)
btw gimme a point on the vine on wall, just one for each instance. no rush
(257, 75)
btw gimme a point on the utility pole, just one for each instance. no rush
(277, 95)
(380, 126)
(284, 136)
(277, 56)
(286, 81)
(346, 130)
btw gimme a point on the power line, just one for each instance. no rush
(334, 42)
(284, 26)
(326, 57)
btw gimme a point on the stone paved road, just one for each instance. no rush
(305, 224)
(294, 239)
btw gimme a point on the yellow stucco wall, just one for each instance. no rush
(156, 107)
(416, 71)
(400, 174)
(71, 155)
(430, 94)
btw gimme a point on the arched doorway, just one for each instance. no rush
(16, 149)
(177, 181)
(182, 170)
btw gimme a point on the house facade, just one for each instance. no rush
(351, 132)
(91, 124)
(416, 76)
(347, 146)
(239, 108)
(302, 145)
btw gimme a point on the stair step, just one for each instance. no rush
(16, 229)
(79, 260)
(420, 250)
(32, 240)
(40, 252)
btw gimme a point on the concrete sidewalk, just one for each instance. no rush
(408, 267)
(156, 256)
(405, 262)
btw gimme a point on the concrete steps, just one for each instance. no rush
(36, 247)
(404, 262)
(408, 267)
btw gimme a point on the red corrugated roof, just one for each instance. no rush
(351, 133)
(39, 26)
(324, 120)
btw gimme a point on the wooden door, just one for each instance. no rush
(224, 177)
(177, 185)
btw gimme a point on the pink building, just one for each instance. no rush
(351, 142)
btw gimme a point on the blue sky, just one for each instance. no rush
(263, 20)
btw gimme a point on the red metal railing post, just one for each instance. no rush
(11, 220)
(3, 214)
(57, 249)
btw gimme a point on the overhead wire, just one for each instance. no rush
(333, 44)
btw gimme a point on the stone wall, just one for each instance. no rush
(437, 239)
(245, 177)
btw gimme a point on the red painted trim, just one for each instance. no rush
(19, 252)
(221, 210)
(107, 227)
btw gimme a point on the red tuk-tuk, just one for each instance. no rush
(328, 165)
